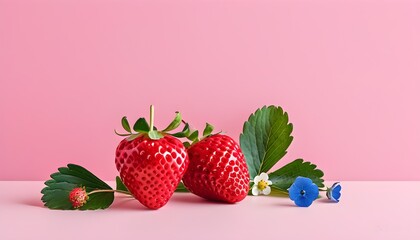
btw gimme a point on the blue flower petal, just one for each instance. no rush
(334, 193)
(303, 192)
(312, 191)
(301, 182)
(294, 192)
(336, 196)
(303, 201)
(337, 188)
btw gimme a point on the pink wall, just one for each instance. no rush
(348, 73)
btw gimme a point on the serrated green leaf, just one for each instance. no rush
(59, 186)
(265, 138)
(78, 175)
(57, 199)
(155, 135)
(57, 190)
(100, 200)
(125, 124)
(284, 177)
(174, 124)
(120, 185)
(208, 130)
(274, 192)
(48, 182)
(141, 125)
(181, 188)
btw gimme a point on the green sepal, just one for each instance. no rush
(208, 130)
(120, 185)
(174, 124)
(58, 188)
(133, 136)
(141, 125)
(184, 133)
(125, 124)
(122, 134)
(155, 135)
(181, 188)
(186, 144)
(193, 136)
(284, 177)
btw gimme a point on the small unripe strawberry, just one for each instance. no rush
(78, 197)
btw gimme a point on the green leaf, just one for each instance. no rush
(57, 190)
(120, 185)
(275, 192)
(284, 177)
(181, 188)
(99, 200)
(265, 138)
(174, 124)
(155, 135)
(125, 124)
(141, 125)
(208, 130)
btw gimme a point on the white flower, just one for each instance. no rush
(261, 185)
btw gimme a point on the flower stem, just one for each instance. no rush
(152, 117)
(110, 190)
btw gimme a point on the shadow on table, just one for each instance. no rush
(189, 198)
(122, 203)
(285, 204)
(32, 202)
(127, 203)
(291, 204)
(325, 200)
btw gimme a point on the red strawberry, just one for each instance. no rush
(217, 170)
(151, 163)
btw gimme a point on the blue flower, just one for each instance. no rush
(303, 192)
(334, 193)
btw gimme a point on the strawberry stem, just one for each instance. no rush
(152, 113)
(109, 190)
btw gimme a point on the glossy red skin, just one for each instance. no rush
(217, 170)
(151, 169)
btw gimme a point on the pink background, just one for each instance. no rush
(347, 72)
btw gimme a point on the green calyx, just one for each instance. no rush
(194, 137)
(142, 128)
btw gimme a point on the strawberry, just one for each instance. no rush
(151, 163)
(78, 197)
(217, 169)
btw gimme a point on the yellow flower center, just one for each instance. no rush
(262, 185)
